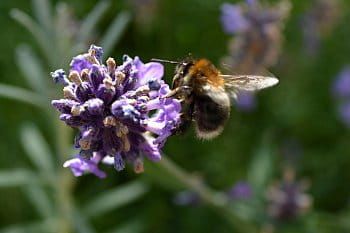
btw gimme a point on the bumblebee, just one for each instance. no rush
(206, 94)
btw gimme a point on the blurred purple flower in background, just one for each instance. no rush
(344, 113)
(319, 21)
(246, 101)
(144, 12)
(186, 198)
(257, 32)
(287, 199)
(241, 190)
(113, 108)
(232, 19)
(341, 86)
(341, 92)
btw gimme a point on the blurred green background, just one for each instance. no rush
(295, 121)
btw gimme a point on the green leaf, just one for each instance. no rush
(38, 33)
(32, 69)
(37, 148)
(91, 20)
(23, 95)
(133, 226)
(115, 198)
(40, 200)
(47, 226)
(261, 166)
(114, 32)
(81, 224)
(42, 10)
(17, 177)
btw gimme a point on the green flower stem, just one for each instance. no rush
(65, 182)
(216, 201)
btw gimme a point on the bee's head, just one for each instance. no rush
(181, 70)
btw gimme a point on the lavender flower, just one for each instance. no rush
(319, 21)
(341, 92)
(257, 32)
(232, 19)
(246, 101)
(113, 109)
(257, 41)
(341, 87)
(241, 190)
(185, 198)
(288, 199)
(344, 113)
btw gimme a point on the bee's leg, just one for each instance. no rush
(185, 116)
(182, 90)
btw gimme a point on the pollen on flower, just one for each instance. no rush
(120, 117)
(110, 121)
(75, 77)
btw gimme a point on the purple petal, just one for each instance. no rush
(79, 166)
(64, 105)
(79, 63)
(59, 76)
(148, 72)
(95, 106)
(119, 163)
(150, 149)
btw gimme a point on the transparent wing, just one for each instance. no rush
(248, 83)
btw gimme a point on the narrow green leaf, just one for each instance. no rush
(31, 68)
(40, 200)
(47, 226)
(92, 19)
(261, 166)
(64, 37)
(37, 149)
(17, 177)
(81, 224)
(42, 10)
(115, 31)
(23, 95)
(115, 198)
(42, 38)
(133, 226)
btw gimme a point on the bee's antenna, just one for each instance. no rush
(166, 61)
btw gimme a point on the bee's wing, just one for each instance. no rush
(249, 83)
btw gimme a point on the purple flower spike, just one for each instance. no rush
(117, 110)
(258, 34)
(246, 101)
(240, 190)
(252, 2)
(344, 113)
(341, 86)
(232, 18)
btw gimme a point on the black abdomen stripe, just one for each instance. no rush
(209, 115)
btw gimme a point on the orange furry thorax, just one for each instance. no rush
(205, 72)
